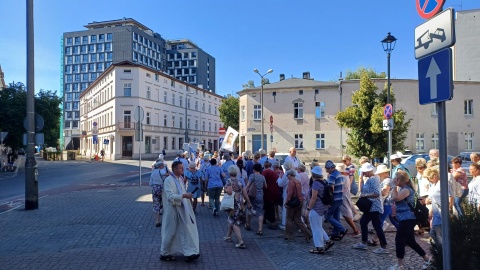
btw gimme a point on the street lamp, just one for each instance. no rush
(388, 44)
(261, 102)
(186, 117)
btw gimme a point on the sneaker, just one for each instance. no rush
(240, 245)
(214, 212)
(396, 267)
(281, 227)
(360, 246)
(427, 264)
(357, 217)
(381, 251)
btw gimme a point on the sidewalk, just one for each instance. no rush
(113, 228)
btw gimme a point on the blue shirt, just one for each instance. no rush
(372, 185)
(214, 175)
(336, 178)
(227, 164)
(262, 160)
(249, 167)
(404, 212)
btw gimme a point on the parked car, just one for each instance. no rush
(409, 162)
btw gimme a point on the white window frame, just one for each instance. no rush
(420, 141)
(298, 141)
(242, 113)
(469, 136)
(257, 112)
(127, 89)
(468, 107)
(320, 141)
(319, 109)
(298, 110)
(434, 140)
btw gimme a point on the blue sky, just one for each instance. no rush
(290, 37)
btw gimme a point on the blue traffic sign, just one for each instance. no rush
(435, 77)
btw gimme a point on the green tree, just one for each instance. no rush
(249, 84)
(13, 102)
(357, 74)
(229, 112)
(364, 121)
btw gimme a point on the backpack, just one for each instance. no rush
(327, 197)
(420, 211)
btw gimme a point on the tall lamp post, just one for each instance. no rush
(186, 116)
(261, 102)
(388, 44)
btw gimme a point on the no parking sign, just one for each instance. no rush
(429, 8)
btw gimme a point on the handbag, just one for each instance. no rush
(252, 188)
(294, 201)
(353, 186)
(364, 204)
(228, 202)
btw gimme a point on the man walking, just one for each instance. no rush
(179, 230)
(335, 180)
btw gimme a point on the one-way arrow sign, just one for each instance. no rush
(435, 77)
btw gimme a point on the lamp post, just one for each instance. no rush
(261, 103)
(388, 44)
(186, 117)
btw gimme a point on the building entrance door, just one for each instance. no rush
(127, 146)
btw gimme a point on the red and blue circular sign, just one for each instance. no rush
(387, 111)
(429, 8)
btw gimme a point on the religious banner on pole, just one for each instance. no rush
(229, 139)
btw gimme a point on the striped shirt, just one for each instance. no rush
(336, 179)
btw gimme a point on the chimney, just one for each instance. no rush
(282, 77)
(306, 75)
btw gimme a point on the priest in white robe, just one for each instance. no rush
(179, 226)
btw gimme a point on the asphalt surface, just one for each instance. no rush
(111, 226)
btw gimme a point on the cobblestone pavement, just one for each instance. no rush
(113, 228)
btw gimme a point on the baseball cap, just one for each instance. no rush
(329, 164)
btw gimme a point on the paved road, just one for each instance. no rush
(111, 226)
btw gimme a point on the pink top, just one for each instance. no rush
(461, 177)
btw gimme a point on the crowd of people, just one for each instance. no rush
(290, 197)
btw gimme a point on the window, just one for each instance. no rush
(127, 118)
(69, 60)
(319, 109)
(173, 99)
(196, 105)
(109, 56)
(83, 48)
(108, 46)
(148, 118)
(188, 103)
(209, 108)
(181, 122)
(320, 141)
(77, 40)
(77, 77)
(109, 36)
(434, 140)
(420, 142)
(165, 146)
(69, 96)
(93, 57)
(299, 141)
(156, 77)
(257, 112)
(298, 110)
(468, 140)
(127, 89)
(69, 41)
(85, 58)
(203, 125)
(193, 54)
(91, 48)
(85, 39)
(68, 50)
(149, 94)
(209, 126)
(165, 120)
(196, 124)
(93, 38)
(468, 107)
(173, 120)
(75, 105)
(173, 143)
(67, 124)
(101, 37)
(181, 101)
(165, 97)
(203, 107)
(188, 123)
(300, 92)
(75, 124)
(100, 47)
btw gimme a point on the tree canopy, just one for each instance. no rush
(364, 121)
(357, 74)
(13, 101)
(229, 112)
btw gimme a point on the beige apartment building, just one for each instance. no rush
(304, 112)
(170, 107)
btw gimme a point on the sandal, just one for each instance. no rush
(259, 233)
(329, 243)
(372, 243)
(248, 228)
(317, 251)
(240, 245)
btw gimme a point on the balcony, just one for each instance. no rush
(126, 125)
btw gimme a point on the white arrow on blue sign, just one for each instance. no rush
(435, 77)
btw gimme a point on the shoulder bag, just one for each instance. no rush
(252, 188)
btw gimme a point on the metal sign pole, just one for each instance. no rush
(140, 153)
(442, 139)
